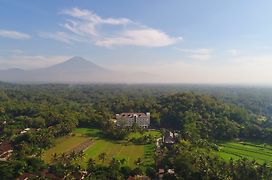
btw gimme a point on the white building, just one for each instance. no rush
(128, 119)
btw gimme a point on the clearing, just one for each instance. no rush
(63, 145)
(113, 149)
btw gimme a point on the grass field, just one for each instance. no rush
(155, 134)
(62, 145)
(117, 149)
(236, 150)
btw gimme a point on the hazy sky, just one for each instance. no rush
(192, 41)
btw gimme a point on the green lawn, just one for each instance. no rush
(154, 134)
(117, 149)
(236, 150)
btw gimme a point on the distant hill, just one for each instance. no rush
(74, 70)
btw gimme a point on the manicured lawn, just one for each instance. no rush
(235, 150)
(114, 149)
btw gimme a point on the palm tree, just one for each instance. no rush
(123, 161)
(73, 155)
(81, 155)
(90, 166)
(138, 161)
(64, 159)
(55, 158)
(102, 157)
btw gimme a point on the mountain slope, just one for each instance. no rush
(74, 70)
(74, 64)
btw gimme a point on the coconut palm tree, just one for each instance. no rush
(138, 161)
(123, 161)
(102, 157)
(90, 166)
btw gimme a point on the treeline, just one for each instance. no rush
(62, 107)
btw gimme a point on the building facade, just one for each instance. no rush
(128, 119)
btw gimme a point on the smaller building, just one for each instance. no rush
(170, 138)
(25, 131)
(128, 119)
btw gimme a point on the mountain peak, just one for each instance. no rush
(77, 63)
(75, 69)
(77, 59)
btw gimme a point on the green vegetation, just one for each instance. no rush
(63, 145)
(118, 149)
(200, 115)
(194, 160)
(262, 153)
(153, 133)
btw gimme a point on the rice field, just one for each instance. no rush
(262, 153)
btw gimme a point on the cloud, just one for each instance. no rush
(240, 70)
(30, 61)
(198, 54)
(87, 21)
(233, 52)
(14, 34)
(92, 17)
(85, 24)
(17, 51)
(147, 37)
(13, 51)
(61, 36)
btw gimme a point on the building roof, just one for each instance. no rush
(133, 114)
(169, 138)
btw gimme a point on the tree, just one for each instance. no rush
(137, 171)
(123, 161)
(138, 162)
(151, 172)
(126, 171)
(90, 166)
(102, 157)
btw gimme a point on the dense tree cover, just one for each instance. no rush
(196, 161)
(203, 116)
(197, 112)
(62, 107)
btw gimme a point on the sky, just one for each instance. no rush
(180, 41)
